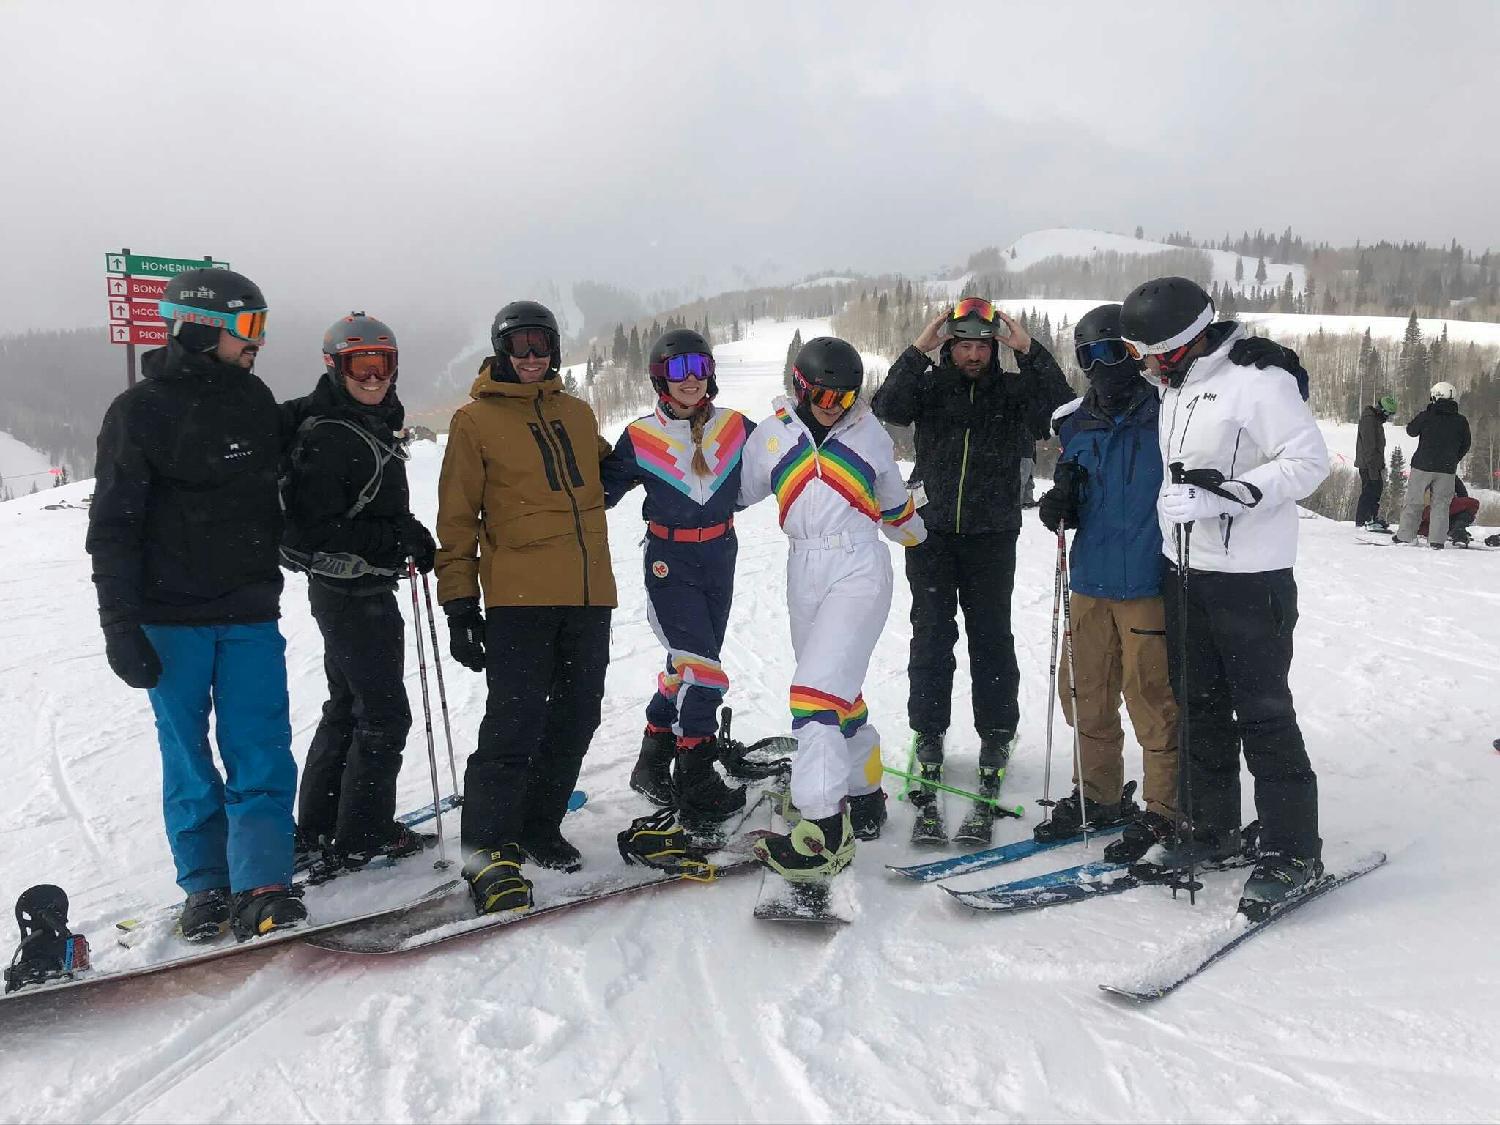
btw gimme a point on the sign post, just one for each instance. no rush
(134, 315)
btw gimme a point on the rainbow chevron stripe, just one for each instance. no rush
(656, 451)
(670, 460)
(809, 705)
(899, 515)
(851, 476)
(691, 670)
(792, 474)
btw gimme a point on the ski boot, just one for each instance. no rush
(995, 748)
(813, 851)
(928, 748)
(48, 949)
(265, 910)
(867, 814)
(1143, 833)
(652, 776)
(495, 880)
(1278, 879)
(979, 826)
(928, 828)
(702, 798)
(551, 850)
(657, 840)
(401, 843)
(1206, 846)
(205, 914)
(1066, 822)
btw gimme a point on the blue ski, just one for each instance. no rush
(989, 857)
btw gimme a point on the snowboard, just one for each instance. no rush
(107, 970)
(825, 902)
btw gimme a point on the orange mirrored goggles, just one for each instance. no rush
(369, 366)
(249, 325)
(973, 306)
(825, 398)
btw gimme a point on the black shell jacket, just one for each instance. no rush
(972, 434)
(1442, 435)
(185, 523)
(1369, 445)
(330, 466)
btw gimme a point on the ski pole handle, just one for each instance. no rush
(918, 781)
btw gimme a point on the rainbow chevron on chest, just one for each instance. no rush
(836, 465)
(665, 450)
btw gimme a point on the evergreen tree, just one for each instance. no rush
(1231, 306)
(621, 349)
(1239, 269)
(734, 329)
(1288, 301)
(633, 361)
(1414, 380)
(1260, 271)
(1393, 496)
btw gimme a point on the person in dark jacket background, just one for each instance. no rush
(183, 531)
(1442, 435)
(975, 424)
(1369, 461)
(350, 526)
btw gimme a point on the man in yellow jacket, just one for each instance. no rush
(521, 524)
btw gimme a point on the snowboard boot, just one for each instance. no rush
(266, 910)
(1278, 879)
(1066, 821)
(402, 842)
(995, 748)
(867, 814)
(928, 828)
(549, 849)
(702, 798)
(495, 881)
(308, 848)
(1141, 835)
(205, 914)
(657, 840)
(652, 776)
(813, 851)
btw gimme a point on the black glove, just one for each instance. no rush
(417, 544)
(1059, 507)
(131, 656)
(1260, 353)
(466, 632)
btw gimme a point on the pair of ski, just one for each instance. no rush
(928, 828)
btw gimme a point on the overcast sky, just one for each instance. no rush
(456, 153)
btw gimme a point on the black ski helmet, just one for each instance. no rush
(525, 314)
(356, 333)
(678, 341)
(198, 303)
(1102, 323)
(827, 361)
(1164, 314)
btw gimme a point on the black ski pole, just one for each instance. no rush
(1057, 585)
(437, 800)
(1184, 749)
(1067, 608)
(437, 665)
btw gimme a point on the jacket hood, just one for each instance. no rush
(1444, 406)
(486, 386)
(174, 362)
(331, 399)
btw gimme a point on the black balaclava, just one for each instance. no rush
(1115, 384)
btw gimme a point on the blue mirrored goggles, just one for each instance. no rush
(1107, 352)
(688, 365)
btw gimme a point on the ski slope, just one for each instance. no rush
(1376, 1004)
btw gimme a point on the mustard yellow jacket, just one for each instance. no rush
(520, 501)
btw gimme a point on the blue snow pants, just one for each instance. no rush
(689, 591)
(235, 831)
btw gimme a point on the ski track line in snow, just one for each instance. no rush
(44, 733)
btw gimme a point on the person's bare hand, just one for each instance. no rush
(929, 339)
(1017, 338)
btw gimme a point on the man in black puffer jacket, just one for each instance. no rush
(349, 525)
(1442, 435)
(183, 530)
(975, 424)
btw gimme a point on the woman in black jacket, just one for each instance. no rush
(350, 527)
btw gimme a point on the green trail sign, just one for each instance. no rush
(146, 265)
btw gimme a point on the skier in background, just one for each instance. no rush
(1249, 449)
(833, 470)
(1369, 461)
(1442, 435)
(687, 455)
(350, 527)
(521, 524)
(183, 530)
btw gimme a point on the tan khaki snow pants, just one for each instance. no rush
(1120, 647)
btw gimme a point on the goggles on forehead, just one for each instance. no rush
(249, 325)
(973, 306)
(825, 398)
(524, 342)
(688, 365)
(1107, 352)
(369, 366)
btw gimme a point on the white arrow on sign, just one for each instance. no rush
(119, 333)
(116, 263)
(118, 286)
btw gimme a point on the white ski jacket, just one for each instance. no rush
(1252, 426)
(846, 487)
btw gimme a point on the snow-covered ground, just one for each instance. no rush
(21, 466)
(1377, 1004)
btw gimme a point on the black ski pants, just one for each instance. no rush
(1233, 693)
(1370, 488)
(348, 786)
(544, 666)
(976, 573)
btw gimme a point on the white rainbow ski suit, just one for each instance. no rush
(833, 498)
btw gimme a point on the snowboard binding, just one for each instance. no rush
(756, 761)
(48, 950)
(658, 840)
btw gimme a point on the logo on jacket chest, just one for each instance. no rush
(238, 450)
